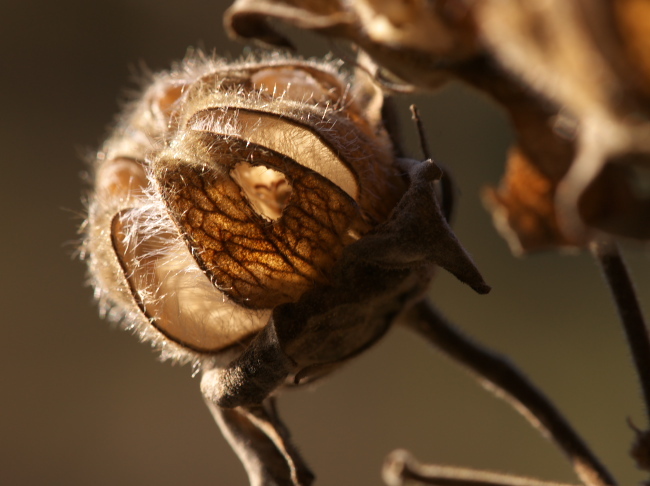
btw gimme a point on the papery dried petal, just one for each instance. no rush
(257, 264)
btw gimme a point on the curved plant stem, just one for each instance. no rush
(401, 469)
(620, 284)
(503, 379)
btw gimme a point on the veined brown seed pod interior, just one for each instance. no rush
(229, 189)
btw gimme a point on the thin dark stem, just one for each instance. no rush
(401, 469)
(421, 135)
(502, 378)
(447, 199)
(620, 284)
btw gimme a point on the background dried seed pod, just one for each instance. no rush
(228, 189)
(586, 57)
(542, 62)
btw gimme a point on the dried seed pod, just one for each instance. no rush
(254, 218)
(228, 189)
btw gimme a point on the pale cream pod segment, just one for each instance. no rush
(119, 184)
(283, 136)
(170, 288)
(155, 270)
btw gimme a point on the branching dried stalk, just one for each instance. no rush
(503, 379)
(262, 443)
(401, 469)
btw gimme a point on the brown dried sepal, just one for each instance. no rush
(296, 102)
(632, 18)
(523, 207)
(258, 263)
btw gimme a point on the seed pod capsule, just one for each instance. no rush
(229, 189)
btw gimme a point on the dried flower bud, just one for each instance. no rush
(228, 189)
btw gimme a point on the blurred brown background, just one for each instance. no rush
(84, 404)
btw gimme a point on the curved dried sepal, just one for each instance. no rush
(523, 208)
(297, 121)
(417, 232)
(294, 141)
